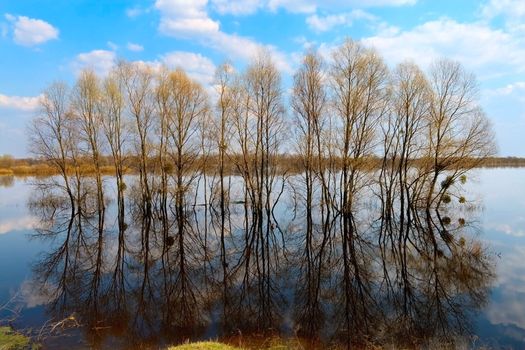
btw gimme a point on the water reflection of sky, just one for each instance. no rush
(503, 220)
(17, 253)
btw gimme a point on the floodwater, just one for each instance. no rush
(88, 280)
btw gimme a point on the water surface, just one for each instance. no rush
(111, 288)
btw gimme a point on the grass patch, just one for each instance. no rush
(10, 340)
(250, 343)
(204, 346)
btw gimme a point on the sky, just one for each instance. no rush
(42, 41)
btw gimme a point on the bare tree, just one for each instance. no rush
(360, 94)
(260, 130)
(52, 135)
(189, 105)
(225, 109)
(460, 136)
(114, 128)
(309, 102)
(138, 83)
(86, 108)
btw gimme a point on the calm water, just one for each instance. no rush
(113, 292)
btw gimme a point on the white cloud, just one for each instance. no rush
(136, 11)
(18, 224)
(19, 102)
(325, 23)
(489, 52)
(304, 42)
(245, 7)
(112, 45)
(511, 12)
(189, 20)
(509, 230)
(236, 7)
(134, 47)
(510, 285)
(35, 294)
(196, 66)
(188, 27)
(30, 32)
(101, 61)
(311, 6)
(185, 18)
(509, 89)
(509, 8)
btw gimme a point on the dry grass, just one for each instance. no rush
(204, 346)
(6, 172)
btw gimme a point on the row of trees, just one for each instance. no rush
(161, 121)
(426, 129)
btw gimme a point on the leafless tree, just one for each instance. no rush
(114, 127)
(459, 133)
(86, 109)
(359, 88)
(138, 83)
(309, 102)
(52, 135)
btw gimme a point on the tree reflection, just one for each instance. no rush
(407, 272)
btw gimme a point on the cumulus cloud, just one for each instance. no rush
(239, 7)
(31, 32)
(488, 51)
(100, 61)
(196, 65)
(244, 7)
(510, 12)
(311, 6)
(183, 18)
(19, 102)
(134, 47)
(190, 20)
(325, 23)
(509, 8)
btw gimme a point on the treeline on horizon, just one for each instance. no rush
(293, 164)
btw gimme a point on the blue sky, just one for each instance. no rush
(46, 40)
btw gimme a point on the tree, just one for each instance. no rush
(87, 111)
(52, 135)
(138, 82)
(460, 135)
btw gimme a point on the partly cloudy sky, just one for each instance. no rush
(46, 40)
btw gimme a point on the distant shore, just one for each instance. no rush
(10, 166)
